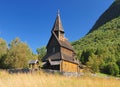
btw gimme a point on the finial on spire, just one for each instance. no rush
(58, 12)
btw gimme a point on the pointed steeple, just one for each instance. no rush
(58, 24)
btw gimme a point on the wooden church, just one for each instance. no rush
(60, 54)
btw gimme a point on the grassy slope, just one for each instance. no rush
(44, 80)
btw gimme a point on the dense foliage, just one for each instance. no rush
(16, 55)
(41, 52)
(100, 50)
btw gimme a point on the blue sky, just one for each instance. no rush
(32, 20)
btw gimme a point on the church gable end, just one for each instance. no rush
(53, 45)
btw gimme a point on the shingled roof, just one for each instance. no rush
(58, 56)
(66, 44)
(53, 56)
(58, 24)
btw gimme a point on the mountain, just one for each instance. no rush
(100, 48)
(112, 12)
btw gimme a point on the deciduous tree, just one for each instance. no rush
(18, 54)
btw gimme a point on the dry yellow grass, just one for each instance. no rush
(46, 80)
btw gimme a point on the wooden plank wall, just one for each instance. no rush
(69, 67)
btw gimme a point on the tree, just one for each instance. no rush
(18, 54)
(41, 52)
(85, 55)
(94, 63)
(112, 69)
(3, 51)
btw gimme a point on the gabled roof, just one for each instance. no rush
(68, 58)
(66, 44)
(63, 43)
(59, 56)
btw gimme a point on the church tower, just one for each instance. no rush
(60, 54)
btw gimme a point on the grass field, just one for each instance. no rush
(41, 79)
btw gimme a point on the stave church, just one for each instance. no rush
(60, 53)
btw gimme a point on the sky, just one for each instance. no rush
(32, 20)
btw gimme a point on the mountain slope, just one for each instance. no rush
(100, 49)
(112, 12)
(106, 36)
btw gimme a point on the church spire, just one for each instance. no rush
(58, 24)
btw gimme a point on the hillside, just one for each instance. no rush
(100, 49)
(112, 12)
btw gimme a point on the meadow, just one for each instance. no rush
(41, 79)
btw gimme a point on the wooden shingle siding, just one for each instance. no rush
(66, 51)
(53, 43)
